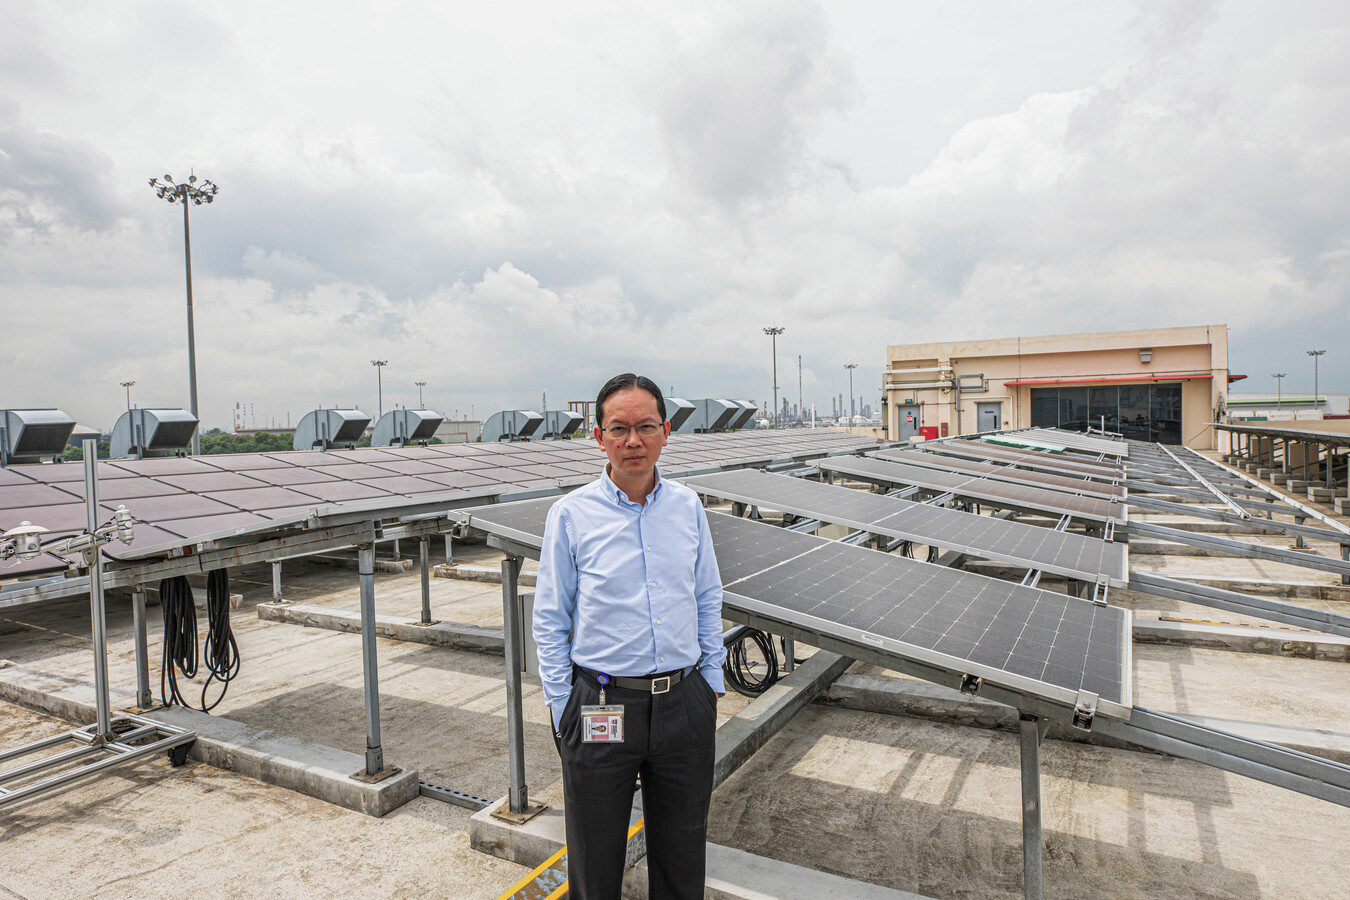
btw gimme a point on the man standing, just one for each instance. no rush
(627, 570)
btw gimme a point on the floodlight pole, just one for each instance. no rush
(188, 192)
(773, 334)
(420, 385)
(1315, 354)
(128, 385)
(379, 365)
(1279, 389)
(850, 367)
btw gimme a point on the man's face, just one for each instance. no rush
(632, 455)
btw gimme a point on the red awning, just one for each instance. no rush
(1138, 379)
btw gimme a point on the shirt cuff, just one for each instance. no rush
(555, 710)
(713, 675)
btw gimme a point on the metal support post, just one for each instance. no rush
(424, 554)
(370, 663)
(449, 552)
(789, 652)
(97, 611)
(144, 698)
(1345, 555)
(1031, 733)
(397, 555)
(138, 617)
(276, 582)
(518, 809)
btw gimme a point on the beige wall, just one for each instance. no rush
(1197, 356)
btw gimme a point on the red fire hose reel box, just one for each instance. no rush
(928, 432)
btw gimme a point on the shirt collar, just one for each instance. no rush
(614, 492)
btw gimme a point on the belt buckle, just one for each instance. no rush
(661, 685)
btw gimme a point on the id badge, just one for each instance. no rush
(602, 724)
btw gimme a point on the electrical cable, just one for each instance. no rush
(180, 637)
(220, 654)
(736, 667)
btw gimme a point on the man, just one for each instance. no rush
(627, 569)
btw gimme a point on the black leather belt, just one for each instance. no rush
(650, 684)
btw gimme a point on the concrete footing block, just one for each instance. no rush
(732, 874)
(1243, 639)
(1342, 506)
(1264, 473)
(298, 765)
(1279, 479)
(401, 628)
(1321, 494)
(485, 574)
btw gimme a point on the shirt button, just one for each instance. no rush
(653, 584)
(658, 621)
(663, 659)
(649, 548)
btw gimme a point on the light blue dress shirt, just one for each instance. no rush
(636, 586)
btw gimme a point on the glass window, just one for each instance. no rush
(1165, 413)
(1134, 412)
(1044, 407)
(1073, 408)
(1104, 406)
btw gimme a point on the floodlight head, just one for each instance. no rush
(27, 539)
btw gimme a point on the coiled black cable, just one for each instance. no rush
(736, 667)
(221, 651)
(180, 637)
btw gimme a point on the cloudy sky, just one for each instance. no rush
(502, 199)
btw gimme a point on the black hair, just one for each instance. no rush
(622, 383)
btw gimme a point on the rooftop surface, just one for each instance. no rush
(924, 802)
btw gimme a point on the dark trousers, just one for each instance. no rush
(668, 740)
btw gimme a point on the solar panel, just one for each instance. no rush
(1073, 555)
(1045, 462)
(186, 491)
(1078, 441)
(1026, 639)
(997, 493)
(1068, 483)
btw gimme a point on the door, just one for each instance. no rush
(990, 416)
(907, 417)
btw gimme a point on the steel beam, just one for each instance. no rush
(1031, 731)
(1239, 548)
(144, 698)
(1246, 604)
(424, 558)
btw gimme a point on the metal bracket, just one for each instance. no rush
(531, 810)
(379, 776)
(970, 684)
(1099, 591)
(1084, 710)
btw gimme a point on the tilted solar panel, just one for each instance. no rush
(1073, 555)
(998, 493)
(1071, 483)
(1044, 462)
(1026, 639)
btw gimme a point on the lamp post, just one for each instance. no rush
(850, 367)
(420, 385)
(379, 365)
(773, 334)
(128, 385)
(1279, 389)
(188, 192)
(1315, 354)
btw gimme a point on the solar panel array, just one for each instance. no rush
(1023, 638)
(1063, 553)
(1027, 459)
(997, 493)
(1078, 441)
(1070, 483)
(180, 501)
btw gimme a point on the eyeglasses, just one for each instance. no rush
(644, 430)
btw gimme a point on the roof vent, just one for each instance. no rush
(401, 427)
(677, 412)
(31, 435)
(560, 423)
(152, 432)
(326, 429)
(512, 425)
(710, 415)
(741, 419)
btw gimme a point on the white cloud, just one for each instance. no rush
(507, 199)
